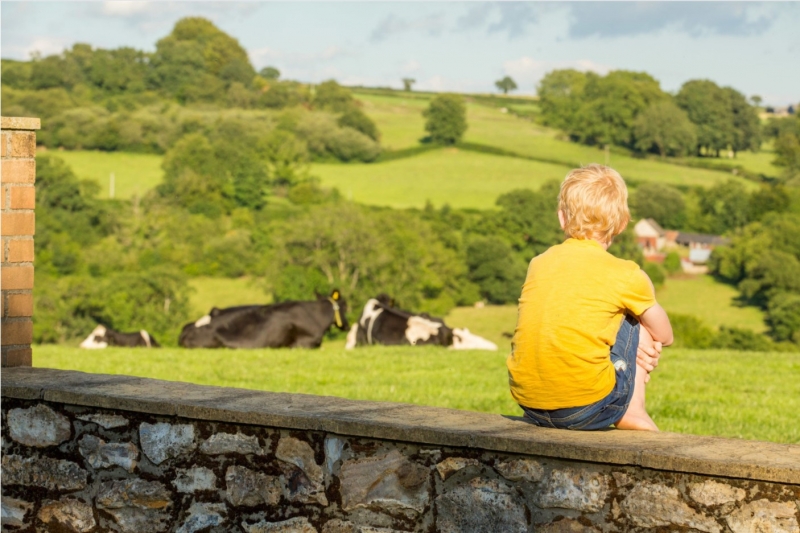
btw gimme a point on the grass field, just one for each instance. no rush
(134, 174)
(711, 301)
(732, 394)
(210, 292)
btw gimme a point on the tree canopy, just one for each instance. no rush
(446, 119)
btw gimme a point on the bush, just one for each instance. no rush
(691, 332)
(354, 118)
(656, 273)
(742, 339)
(495, 269)
(672, 263)
(446, 119)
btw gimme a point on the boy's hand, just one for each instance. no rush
(648, 352)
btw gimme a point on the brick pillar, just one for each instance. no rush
(17, 202)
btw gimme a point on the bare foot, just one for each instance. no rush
(635, 419)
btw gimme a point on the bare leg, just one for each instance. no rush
(636, 416)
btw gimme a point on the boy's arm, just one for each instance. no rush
(656, 321)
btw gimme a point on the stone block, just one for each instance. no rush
(571, 488)
(223, 443)
(16, 277)
(657, 505)
(304, 476)
(334, 446)
(105, 421)
(137, 506)
(44, 472)
(100, 454)
(203, 516)
(20, 123)
(17, 332)
(293, 525)
(245, 487)
(521, 470)
(388, 482)
(17, 171)
(38, 426)
(194, 479)
(4, 140)
(164, 441)
(710, 493)
(23, 197)
(13, 512)
(451, 465)
(20, 305)
(764, 516)
(18, 223)
(17, 357)
(23, 144)
(20, 250)
(565, 525)
(344, 526)
(68, 513)
(478, 506)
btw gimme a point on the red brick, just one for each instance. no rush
(20, 251)
(23, 197)
(3, 193)
(20, 305)
(18, 357)
(18, 171)
(18, 224)
(16, 277)
(20, 332)
(23, 144)
(3, 144)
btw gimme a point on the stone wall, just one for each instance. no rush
(17, 202)
(85, 452)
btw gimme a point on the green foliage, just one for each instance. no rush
(407, 83)
(656, 273)
(528, 219)
(446, 119)
(269, 73)
(626, 247)
(666, 128)
(354, 118)
(725, 206)
(495, 269)
(506, 84)
(663, 203)
(690, 332)
(672, 263)
(332, 97)
(560, 94)
(743, 340)
(783, 316)
(787, 146)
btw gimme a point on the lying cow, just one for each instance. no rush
(102, 337)
(282, 325)
(380, 323)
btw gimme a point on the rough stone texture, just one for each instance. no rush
(388, 481)
(51, 474)
(303, 475)
(763, 516)
(293, 525)
(479, 506)
(344, 526)
(566, 525)
(13, 511)
(138, 506)
(165, 441)
(334, 447)
(38, 426)
(573, 489)
(245, 487)
(193, 479)
(202, 516)
(655, 505)
(100, 454)
(105, 421)
(710, 493)
(72, 514)
(222, 443)
(451, 465)
(521, 470)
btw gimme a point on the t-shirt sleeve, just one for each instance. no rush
(637, 295)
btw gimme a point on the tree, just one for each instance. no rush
(560, 93)
(787, 146)
(746, 124)
(756, 99)
(446, 119)
(332, 96)
(666, 127)
(506, 84)
(661, 202)
(407, 83)
(708, 107)
(269, 73)
(495, 269)
(726, 206)
(354, 118)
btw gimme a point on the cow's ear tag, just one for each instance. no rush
(335, 295)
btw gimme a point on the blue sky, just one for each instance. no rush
(455, 46)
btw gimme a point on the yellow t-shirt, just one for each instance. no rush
(573, 302)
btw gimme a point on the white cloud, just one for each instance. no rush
(440, 83)
(125, 8)
(261, 57)
(411, 66)
(432, 25)
(527, 71)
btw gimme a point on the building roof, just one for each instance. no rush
(656, 226)
(701, 238)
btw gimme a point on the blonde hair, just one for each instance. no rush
(594, 201)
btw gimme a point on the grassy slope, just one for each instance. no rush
(723, 393)
(711, 301)
(224, 292)
(134, 174)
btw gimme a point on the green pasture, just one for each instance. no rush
(208, 292)
(724, 393)
(134, 174)
(711, 301)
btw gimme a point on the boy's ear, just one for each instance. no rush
(561, 219)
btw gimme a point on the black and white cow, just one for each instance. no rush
(102, 337)
(380, 323)
(282, 325)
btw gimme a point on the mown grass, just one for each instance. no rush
(134, 174)
(713, 302)
(724, 393)
(208, 292)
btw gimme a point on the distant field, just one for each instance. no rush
(224, 292)
(447, 176)
(134, 174)
(489, 322)
(724, 393)
(711, 301)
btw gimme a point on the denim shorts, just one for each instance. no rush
(609, 410)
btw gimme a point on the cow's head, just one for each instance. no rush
(339, 310)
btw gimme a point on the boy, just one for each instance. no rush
(587, 319)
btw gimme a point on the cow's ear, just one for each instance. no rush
(335, 295)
